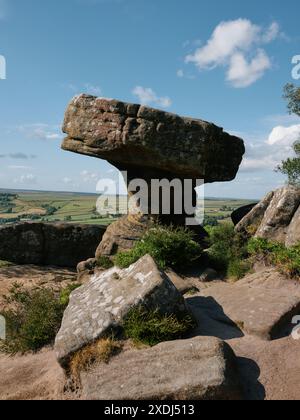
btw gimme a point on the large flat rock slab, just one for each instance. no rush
(198, 369)
(134, 136)
(260, 306)
(101, 305)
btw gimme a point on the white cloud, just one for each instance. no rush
(89, 177)
(28, 179)
(267, 153)
(183, 75)
(40, 131)
(242, 73)
(237, 45)
(147, 96)
(88, 88)
(272, 33)
(67, 180)
(284, 136)
(92, 89)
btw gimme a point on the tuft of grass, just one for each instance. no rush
(5, 264)
(170, 247)
(287, 260)
(64, 297)
(33, 322)
(99, 352)
(152, 327)
(104, 262)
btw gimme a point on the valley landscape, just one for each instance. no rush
(28, 206)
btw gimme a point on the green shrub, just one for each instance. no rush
(237, 269)
(226, 247)
(104, 262)
(151, 327)
(65, 294)
(4, 264)
(34, 320)
(275, 253)
(169, 247)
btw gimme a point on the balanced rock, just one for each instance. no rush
(150, 145)
(276, 217)
(101, 305)
(202, 368)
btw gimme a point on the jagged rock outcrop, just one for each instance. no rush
(150, 144)
(100, 306)
(241, 212)
(276, 217)
(202, 368)
(57, 244)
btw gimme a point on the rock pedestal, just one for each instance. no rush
(151, 145)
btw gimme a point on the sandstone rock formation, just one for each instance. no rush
(198, 369)
(100, 306)
(61, 245)
(241, 212)
(259, 305)
(149, 144)
(276, 217)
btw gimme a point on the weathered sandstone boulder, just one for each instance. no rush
(150, 144)
(241, 212)
(276, 217)
(61, 244)
(198, 369)
(101, 305)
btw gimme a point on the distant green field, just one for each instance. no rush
(81, 208)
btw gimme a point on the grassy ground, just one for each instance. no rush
(80, 208)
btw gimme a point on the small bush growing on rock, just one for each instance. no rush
(169, 247)
(228, 250)
(33, 321)
(152, 327)
(104, 262)
(65, 294)
(287, 260)
(237, 269)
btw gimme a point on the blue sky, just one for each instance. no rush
(222, 61)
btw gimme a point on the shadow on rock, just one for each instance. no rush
(211, 319)
(249, 373)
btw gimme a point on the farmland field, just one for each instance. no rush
(81, 208)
